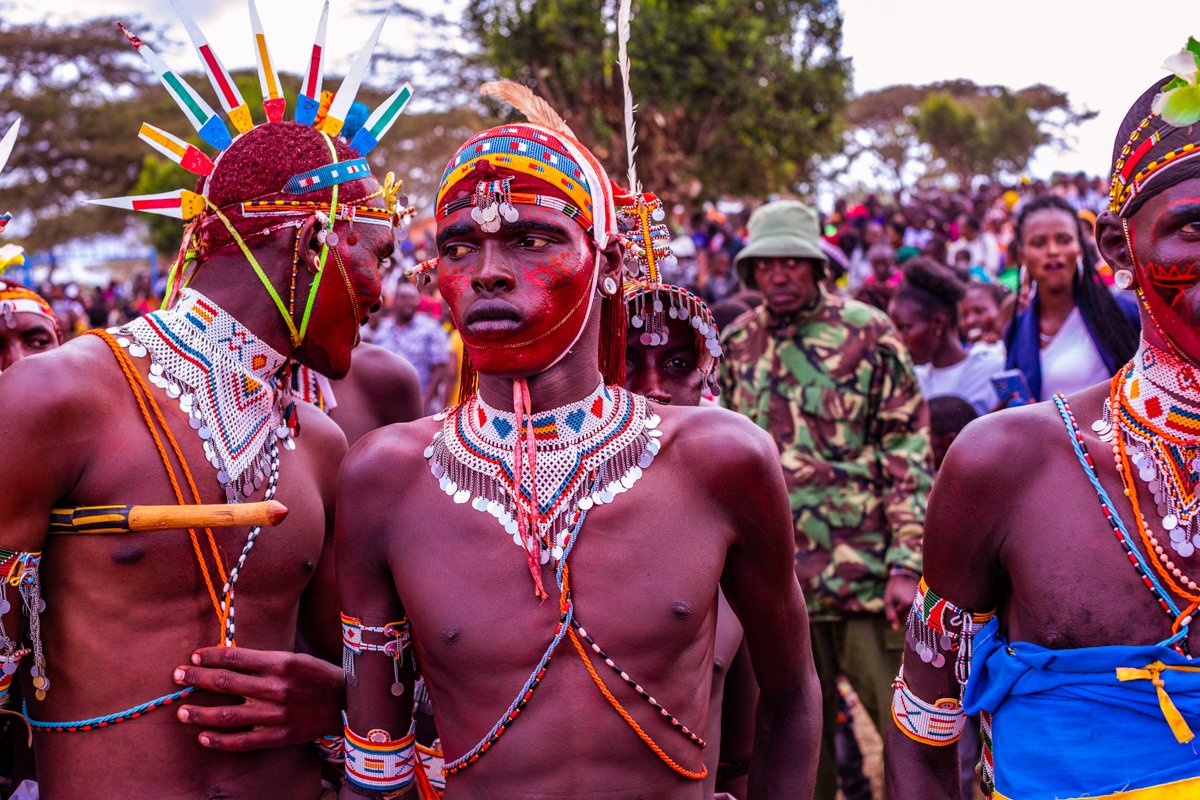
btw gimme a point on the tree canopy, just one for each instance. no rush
(733, 97)
(956, 128)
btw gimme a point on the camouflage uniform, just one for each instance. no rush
(836, 391)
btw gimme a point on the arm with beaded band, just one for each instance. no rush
(32, 483)
(962, 533)
(380, 678)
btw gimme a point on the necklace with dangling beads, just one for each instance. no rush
(1125, 429)
(610, 431)
(1160, 424)
(233, 387)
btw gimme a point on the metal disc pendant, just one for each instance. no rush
(137, 350)
(351, 679)
(331, 239)
(946, 642)
(397, 689)
(1185, 550)
(40, 694)
(1170, 522)
(352, 240)
(39, 682)
(926, 655)
(586, 503)
(10, 667)
(938, 661)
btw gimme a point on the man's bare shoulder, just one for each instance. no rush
(80, 376)
(1004, 446)
(719, 449)
(389, 458)
(376, 369)
(720, 436)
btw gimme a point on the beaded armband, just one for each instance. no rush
(938, 724)
(353, 645)
(377, 762)
(21, 570)
(936, 626)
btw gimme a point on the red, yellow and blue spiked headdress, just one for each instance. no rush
(347, 128)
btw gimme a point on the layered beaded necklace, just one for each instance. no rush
(235, 391)
(534, 469)
(1155, 405)
(539, 475)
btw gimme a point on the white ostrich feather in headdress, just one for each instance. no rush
(624, 12)
(522, 98)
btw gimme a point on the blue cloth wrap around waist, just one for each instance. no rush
(1063, 726)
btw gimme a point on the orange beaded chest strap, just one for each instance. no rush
(147, 404)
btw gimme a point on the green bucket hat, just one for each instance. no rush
(783, 229)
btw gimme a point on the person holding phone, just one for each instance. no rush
(1074, 334)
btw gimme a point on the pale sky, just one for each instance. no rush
(1074, 46)
(1103, 53)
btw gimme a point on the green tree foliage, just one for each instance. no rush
(84, 92)
(734, 97)
(956, 128)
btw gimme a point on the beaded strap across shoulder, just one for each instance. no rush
(150, 414)
(1178, 640)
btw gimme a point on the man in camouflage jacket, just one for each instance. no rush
(832, 383)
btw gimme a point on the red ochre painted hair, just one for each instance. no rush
(256, 167)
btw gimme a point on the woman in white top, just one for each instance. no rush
(925, 312)
(1074, 334)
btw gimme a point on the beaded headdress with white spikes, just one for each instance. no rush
(336, 115)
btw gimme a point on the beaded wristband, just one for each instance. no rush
(938, 724)
(375, 761)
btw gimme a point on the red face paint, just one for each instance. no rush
(518, 306)
(1164, 294)
(350, 287)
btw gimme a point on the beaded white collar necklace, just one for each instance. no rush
(225, 379)
(1159, 421)
(611, 432)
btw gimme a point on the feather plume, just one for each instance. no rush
(624, 12)
(522, 98)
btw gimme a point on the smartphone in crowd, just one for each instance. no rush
(1011, 385)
